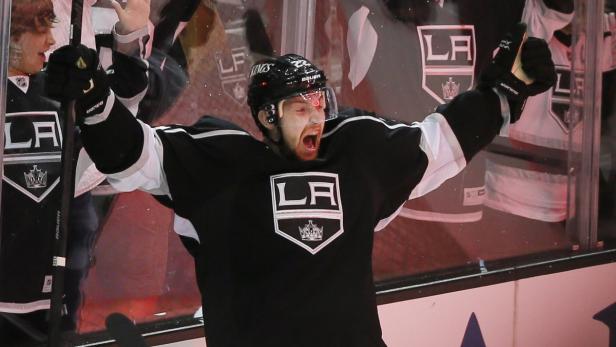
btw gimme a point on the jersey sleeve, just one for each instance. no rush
(125, 149)
(174, 161)
(123, 56)
(544, 17)
(409, 161)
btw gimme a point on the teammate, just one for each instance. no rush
(281, 230)
(538, 203)
(440, 47)
(32, 130)
(31, 191)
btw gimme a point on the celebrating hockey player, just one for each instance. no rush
(281, 230)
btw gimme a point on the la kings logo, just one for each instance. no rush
(233, 65)
(447, 59)
(32, 152)
(561, 94)
(307, 208)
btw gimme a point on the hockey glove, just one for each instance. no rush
(521, 68)
(74, 73)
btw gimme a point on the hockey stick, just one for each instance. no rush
(66, 178)
(124, 331)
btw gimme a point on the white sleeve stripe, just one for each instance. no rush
(430, 216)
(101, 117)
(385, 221)
(505, 113)
(374, 119)
(207, 134)
(130, 37)
(147, 172)
(184, 227)
(132, 103)
(445, 156)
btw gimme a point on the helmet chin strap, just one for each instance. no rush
(279, 146)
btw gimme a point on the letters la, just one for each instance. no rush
(561, 93)
(32, 152)
(307, 208)
(448, 59)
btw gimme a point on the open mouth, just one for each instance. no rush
(310, 142)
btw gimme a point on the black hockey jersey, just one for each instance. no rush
(283, 247)
(30, 196)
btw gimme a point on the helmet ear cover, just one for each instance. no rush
(272, 113)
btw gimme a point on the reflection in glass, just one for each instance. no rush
(425, 53)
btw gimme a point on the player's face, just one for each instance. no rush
(31, 47)
(302, 122)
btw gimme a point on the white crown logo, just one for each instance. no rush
(35, 178)
(450, 89)
(311, 232)
(21, 82)
(238, 91)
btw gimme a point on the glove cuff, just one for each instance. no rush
(95, 99)
(506, 84)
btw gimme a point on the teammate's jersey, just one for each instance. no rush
(426, 53)
(30, 196)
(280, 244)
(540, 190)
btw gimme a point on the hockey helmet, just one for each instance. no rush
(273, 80)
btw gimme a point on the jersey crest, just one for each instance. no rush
(233, 66)
(32, 152)
(307, 208)
(561, 94)
(448, 56)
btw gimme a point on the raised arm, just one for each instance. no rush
(115, 140)
(126, 59)
(472, 119)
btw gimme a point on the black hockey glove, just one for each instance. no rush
(519, 73)
(74, 73)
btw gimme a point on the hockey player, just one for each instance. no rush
(31, 173)
(538, 203)
(281, 230)
(30, 38)
(31, 193)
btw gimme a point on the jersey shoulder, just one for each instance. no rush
(205, 125)
(349, 117)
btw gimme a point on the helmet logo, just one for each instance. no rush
(310, 78)
(260, 68)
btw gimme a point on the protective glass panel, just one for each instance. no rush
(606, 196)
(402, 59)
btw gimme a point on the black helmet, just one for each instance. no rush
(275, 79)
